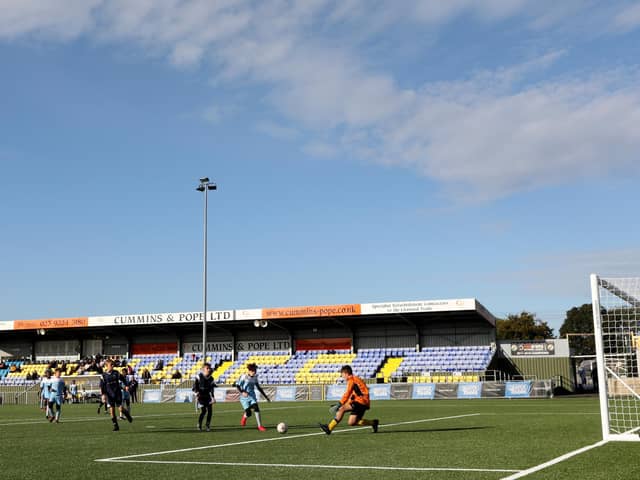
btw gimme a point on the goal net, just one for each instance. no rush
(616, 317)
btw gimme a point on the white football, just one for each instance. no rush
(282, 427)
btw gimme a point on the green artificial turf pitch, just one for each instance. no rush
(438, 439)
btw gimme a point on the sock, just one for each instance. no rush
(333, 424)
(258, 419)
(362, 421)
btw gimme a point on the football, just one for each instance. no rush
(282, 427)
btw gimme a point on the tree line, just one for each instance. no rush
(527, 326)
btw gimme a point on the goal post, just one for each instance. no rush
(616, 318)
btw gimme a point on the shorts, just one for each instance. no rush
(204, 401)
(55, 401)
(247, 402)
(358, 409)
(114, 401)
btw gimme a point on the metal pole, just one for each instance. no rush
(204, 293)
(602, 374)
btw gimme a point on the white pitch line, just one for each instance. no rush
(339, 467)
(272, 439)
(554, 461)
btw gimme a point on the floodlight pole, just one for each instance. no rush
(205, 186)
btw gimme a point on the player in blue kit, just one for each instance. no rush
(247, 385)
(45, 383)
(57, 391)
(110, 386)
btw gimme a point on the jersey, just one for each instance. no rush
(56, 389)
(357, 391)
(124, 388)
(203, 385)
(45, 383)
(110, 384)
(249, 384)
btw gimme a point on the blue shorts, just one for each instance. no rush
(246, 402)
(56, 400)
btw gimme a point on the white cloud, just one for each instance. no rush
(488, 135)
(58, 19)
(628, 19)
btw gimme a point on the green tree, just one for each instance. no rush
(523, 326)
(579, 320)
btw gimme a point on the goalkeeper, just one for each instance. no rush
(355, 401)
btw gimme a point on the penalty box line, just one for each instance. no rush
(273, 439)
(554, 461)
(336, 467)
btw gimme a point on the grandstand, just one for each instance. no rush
(417, 341)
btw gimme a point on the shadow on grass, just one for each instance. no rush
(428, 430)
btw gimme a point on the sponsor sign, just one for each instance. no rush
(220, 394)
(335, 391)
(418, 306)
(160, 318)
(285, 394)
(311, 311)
(6, 325)
(249, 314)
(184, 395)
(257, 345)
(196, 347)
(520, 349)
(244, 346)
(424, 391)
(380, 392)
(50, 323)
(517, 389)
(152, 396)
(470, 390)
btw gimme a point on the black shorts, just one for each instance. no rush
(114, 401)
(358, 409)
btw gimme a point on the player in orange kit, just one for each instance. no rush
(355, 401)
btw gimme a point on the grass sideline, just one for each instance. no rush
(438, 439)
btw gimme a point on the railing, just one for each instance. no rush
(20, 394)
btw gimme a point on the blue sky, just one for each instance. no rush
(364, 151)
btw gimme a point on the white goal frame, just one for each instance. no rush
(616, 319)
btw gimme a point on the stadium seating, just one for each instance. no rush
(431, 364)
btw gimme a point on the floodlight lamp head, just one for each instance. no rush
(204, 180)
(256, 323)
(212, 186)
(200, 188)
(264, 324)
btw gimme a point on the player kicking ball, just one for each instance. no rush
(355, 401)
(247, 385)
